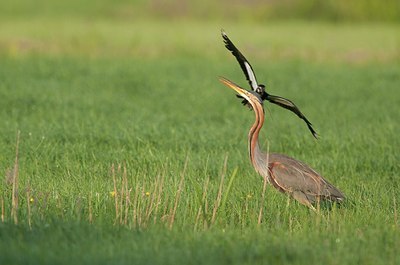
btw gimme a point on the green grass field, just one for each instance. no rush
(131, 151)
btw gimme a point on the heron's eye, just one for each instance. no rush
(259, 90)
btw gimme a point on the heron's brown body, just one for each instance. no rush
(286, 174)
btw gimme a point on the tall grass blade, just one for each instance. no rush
(203, 205)
(14, 202)
(228, 189)
(178, 194)
(115, 193)
(217, 202)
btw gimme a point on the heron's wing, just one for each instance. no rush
(291, 175)
(287, 104)
(244, 64)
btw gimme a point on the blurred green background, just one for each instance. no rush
(329, 31)
(251, 10)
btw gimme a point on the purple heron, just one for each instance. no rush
(286, 174)
(260, 88)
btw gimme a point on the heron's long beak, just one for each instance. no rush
(238, 89)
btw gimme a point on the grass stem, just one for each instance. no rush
(14, 201)
(220, 189)
(178, 194)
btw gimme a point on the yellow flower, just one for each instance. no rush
(31, 200)
(147, 193)
(112, 193)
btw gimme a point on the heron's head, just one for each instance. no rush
(250, 96)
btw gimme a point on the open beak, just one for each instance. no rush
(238, 89)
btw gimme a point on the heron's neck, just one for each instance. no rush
(254, 147)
